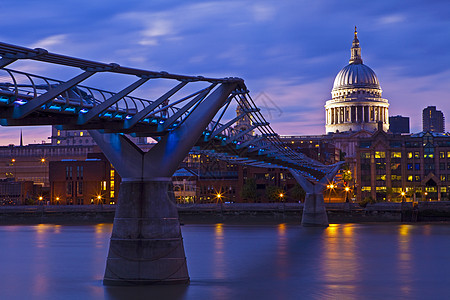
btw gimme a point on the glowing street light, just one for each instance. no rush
(281, 196)
(347, 189)
(403, 196)
(330, 187)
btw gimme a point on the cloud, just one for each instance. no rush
(51, 41)
(391, 19)
(262, 13)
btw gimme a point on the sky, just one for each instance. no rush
(288, 52)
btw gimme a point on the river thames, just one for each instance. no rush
(277, 261)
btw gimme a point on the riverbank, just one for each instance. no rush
(235, 213)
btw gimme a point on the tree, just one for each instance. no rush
(297, 192)
(249, 191)
(273, 193)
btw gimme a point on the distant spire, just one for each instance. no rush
(355, 50)
(21, 138)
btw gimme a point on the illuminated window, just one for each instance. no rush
(380, 177)
(442, 178)
(409, 178)
(441, 154)
(366, 189)
(443, 189)
(58, 142)
(416, 154)
(396, 177)
(111, 183)
(365, 155)
(410, 155)
(396, 154)
(59, 134)
(380, 154)
(81, 133)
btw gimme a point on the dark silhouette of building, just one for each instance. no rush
(433, 120)
(399, 124)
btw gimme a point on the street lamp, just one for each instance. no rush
(281, 197)
(347, 189)
(43, 162)
(331, 187)
(99, 199)
(403, 196)
(219, 197)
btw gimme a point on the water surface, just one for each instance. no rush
(280, 261)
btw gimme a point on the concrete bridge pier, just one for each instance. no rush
(146, 245)
(314, 211)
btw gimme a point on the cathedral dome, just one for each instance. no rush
(356, 75)
(356, 102)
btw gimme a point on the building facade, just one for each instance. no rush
(356, 102)
(399, 124)
(81, 182)
(81, 138)
(433, 120)
(31, 162)
(417, 165)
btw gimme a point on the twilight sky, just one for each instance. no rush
(288, 51)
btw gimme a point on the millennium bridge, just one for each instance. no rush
(181, 113)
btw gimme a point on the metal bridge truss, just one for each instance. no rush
(27, 99)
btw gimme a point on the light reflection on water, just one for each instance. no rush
(280, 261)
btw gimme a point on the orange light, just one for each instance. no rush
(281, 195)
(99, 197)
(347, 189)
(403, 193)
(40, 198)
(57, 198)
(331, 186)
(219, 196)
(13, 160)
(42, 160)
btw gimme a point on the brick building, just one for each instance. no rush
(417, 165)
(89, 181)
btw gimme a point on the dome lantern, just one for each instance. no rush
(355, 57)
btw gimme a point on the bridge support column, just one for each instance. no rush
(146, 245)
(314, 211)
